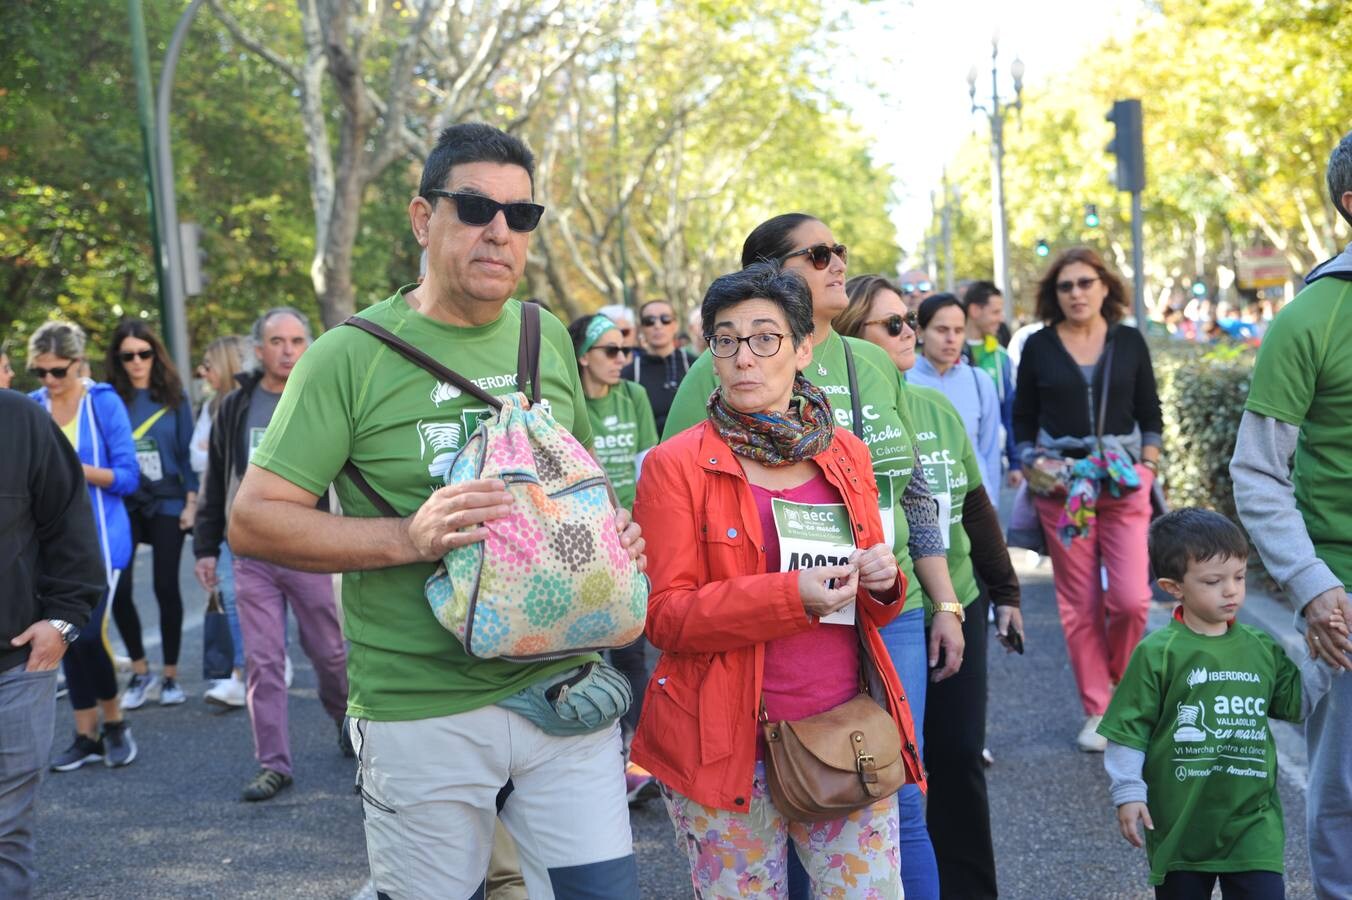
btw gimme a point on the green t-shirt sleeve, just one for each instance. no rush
(647, 425)
(310, 435)
(689, 406)
(1286, 687)
(1288, 364)
(1134, 710)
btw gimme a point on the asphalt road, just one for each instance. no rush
(172, 825)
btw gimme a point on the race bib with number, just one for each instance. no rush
(814, 534)
(148, 458)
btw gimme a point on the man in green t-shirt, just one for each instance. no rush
(1292, 472)
(436, 753)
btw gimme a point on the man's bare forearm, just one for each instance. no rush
(300, 537)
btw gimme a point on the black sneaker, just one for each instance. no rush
(121, 745)
(266, 785)
(345, 740)
(82, 750)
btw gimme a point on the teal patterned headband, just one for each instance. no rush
(598, 326)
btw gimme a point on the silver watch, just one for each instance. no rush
(68, 631)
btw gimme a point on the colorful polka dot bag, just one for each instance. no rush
(551, 579)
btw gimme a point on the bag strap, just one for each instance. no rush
(528, 352)
(1103, 403)
(359, 481)
(856, 415)
(145, 426)
(421, 359)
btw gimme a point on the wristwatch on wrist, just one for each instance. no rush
(68, 631)
(955, 608)
(1152, 464)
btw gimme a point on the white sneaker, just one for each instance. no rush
(290, 673)
(1089, 740)
(140, 686)
(228, 692)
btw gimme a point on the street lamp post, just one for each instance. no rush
(996, 114)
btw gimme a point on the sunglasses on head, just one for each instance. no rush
(820, 254)
(894, 323)
(920, 287)
(39, 372)
(128, 355)
(664, 318)
(476, 209)
(1084, 284)
(612, 351)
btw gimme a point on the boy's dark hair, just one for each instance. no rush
(472, 142)
(1191, 535)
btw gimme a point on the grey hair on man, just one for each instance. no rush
(262, 322)
(1340, 176)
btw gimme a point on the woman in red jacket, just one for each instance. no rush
(741, 511)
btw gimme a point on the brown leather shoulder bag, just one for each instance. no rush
(826, 766)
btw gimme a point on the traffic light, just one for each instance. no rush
(1127, 145)
(1199, 288)
(1042, 248)
(1091, 216)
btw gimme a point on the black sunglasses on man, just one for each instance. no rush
(478, 210)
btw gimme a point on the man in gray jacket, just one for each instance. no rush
(1299, 512)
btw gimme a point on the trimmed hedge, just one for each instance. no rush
(1202, 391)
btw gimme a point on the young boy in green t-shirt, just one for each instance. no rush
(1189, 723)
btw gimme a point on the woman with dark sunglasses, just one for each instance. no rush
(658, 364)
(623, 432)
(955, 733)
(164, 509)
(806, 245)
(1087, 427)
(95, 422)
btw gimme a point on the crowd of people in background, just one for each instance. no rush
(887, 413)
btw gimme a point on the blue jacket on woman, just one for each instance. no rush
(105, 442)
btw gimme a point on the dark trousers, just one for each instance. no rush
(958, 813)
(27, 714)
(1234, 886)
(88, 662)
(166, 546)
(632, 663)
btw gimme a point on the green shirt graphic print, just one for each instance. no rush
(351, 396)
(951, 471)
(623, 428)
(883, 407)
(1199, 708)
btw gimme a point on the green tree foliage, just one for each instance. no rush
(721, 126)
(1243, 103)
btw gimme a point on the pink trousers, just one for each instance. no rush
(1102, 624)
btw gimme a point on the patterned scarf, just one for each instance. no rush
(777, 439)
(1087, 476)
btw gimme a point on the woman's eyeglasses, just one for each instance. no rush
(40, 373)
(1084, 284)
(128, 355)
(820, 254)
(894, 323)
(664, 318)
(612, 351)
(725, 346)
(476, 209)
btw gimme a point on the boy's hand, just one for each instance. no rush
(1127, 814)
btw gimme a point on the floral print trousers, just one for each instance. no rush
(736, 854)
